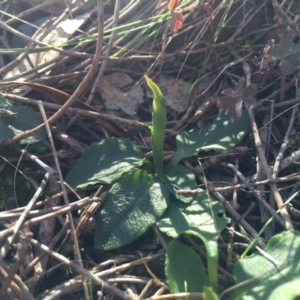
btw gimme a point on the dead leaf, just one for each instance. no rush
(173, 4)
(113, 90)
(58, 36)
(175, 92)
(233, 98)
(176, 21)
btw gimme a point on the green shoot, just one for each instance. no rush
(158, 128)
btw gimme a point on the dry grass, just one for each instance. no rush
(212, 51)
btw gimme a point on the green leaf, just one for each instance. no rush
(288, 53)
(209, 293)
(204, 218)
(132, 206)
(180, 178)
(184, 269)
(290, 63)
(221, 134)
(105, 162)
(158, 128)
(271, 281)
(25, 120)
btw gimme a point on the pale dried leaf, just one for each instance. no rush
(56, 37)
(175, 92)
(117, 96)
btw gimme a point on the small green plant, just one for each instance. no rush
(136, 199)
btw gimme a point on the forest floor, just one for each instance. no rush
(86, 61)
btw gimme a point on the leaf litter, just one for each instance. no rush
(120, 93)
(191, 50)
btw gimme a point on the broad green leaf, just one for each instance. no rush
(180, 178)
(184, 269)
(158, 128)
(205, 218)
(132, 206)
(105, 162)
(219, 135)
(271, 281)
(24, 120)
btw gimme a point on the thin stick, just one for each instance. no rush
(48, 213)
(65, 195)
(263, 160)
(177, 296)
(80, 89)
(22, 218)
(74, 283)
(238, 186)
(265, 135)
(39, 162)
(54, 241)
(233, 212)
(82, 112)
(104, 62)
(257, 194)
(17, 285)
(19, 257)
(285, 143)
(277, 196)
(81, 270)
